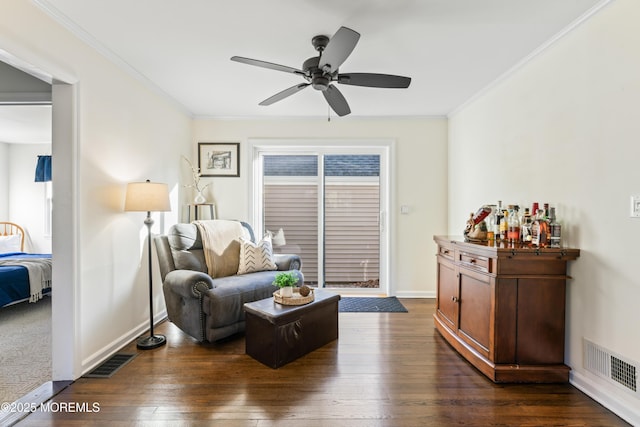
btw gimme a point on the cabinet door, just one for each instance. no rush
(474, 305)
(541, 320)
(447, 293)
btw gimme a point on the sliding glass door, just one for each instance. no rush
(289, 196)
(352, 221)
(326, 204)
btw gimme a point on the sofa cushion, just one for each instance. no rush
(256, 256)
(186, 247)
(224, 304)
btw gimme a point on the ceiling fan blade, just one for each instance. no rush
(285, 93)
(265, 64)
(338, 50)
(336, 101)
(374, 80)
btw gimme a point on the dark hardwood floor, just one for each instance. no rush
(386, 369)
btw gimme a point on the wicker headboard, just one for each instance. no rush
(9, 229)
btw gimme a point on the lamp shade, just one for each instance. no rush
(147, 197)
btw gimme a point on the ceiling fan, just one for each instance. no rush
(320, 71)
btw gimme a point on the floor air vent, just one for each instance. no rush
(111, 366)
(614, 368)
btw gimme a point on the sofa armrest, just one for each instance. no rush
(287, 262)
(188, 283)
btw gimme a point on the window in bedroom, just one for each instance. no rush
(43, 174)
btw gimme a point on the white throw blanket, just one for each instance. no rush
(221, 244)
(39, 270)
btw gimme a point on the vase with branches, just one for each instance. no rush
(195, 182)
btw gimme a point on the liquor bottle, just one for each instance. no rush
(504, 225)
(535, 229)
(546, 232)
(545, 209)
(540, 230)
(525, 227)
(513, 225)
(534, 211)
(555, 230)
(499, 219)
(491, 225)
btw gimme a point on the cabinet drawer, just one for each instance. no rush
(474, 261)
(446, 252)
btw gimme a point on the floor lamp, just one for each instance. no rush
(148, 197)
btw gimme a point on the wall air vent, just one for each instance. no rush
(611, 366)
(111, 365)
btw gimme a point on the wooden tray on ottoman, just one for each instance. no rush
(277, 334)
(296, 299)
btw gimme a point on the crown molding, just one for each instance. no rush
(320, 118)
(87, 38)
(538, 51)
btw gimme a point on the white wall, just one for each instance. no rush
(564, 129)
(26, 197)
(124, 132)
(421, 170)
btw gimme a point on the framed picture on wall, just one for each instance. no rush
(217, 159)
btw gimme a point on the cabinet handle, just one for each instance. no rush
(446, 252)
(454, 299)
(472, 261)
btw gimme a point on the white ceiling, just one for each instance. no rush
(25, 124)
(451, 49)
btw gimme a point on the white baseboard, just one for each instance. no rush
(114, 346)
(416, 294)
(616, 400)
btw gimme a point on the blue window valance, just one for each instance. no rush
(43, 169)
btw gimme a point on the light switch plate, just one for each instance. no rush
(635, 207)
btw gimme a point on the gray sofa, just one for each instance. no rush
(207, 308)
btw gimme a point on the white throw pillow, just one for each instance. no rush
(10, 243)
(256, 256)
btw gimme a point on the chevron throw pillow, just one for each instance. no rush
(256, 256)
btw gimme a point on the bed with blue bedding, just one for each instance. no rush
(19, 269)
(14, 279)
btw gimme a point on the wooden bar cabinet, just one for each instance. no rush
(502, 307)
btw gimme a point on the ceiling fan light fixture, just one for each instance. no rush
(320, 82)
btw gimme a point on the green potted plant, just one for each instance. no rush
(285, 281)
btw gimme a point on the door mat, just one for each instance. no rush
(370, 305)
(111, 365)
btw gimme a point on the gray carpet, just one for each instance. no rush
(25, 348)
(370, 304)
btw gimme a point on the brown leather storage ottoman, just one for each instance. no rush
(278, 334)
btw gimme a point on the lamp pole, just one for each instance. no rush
(148, 197)
(152, 341)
